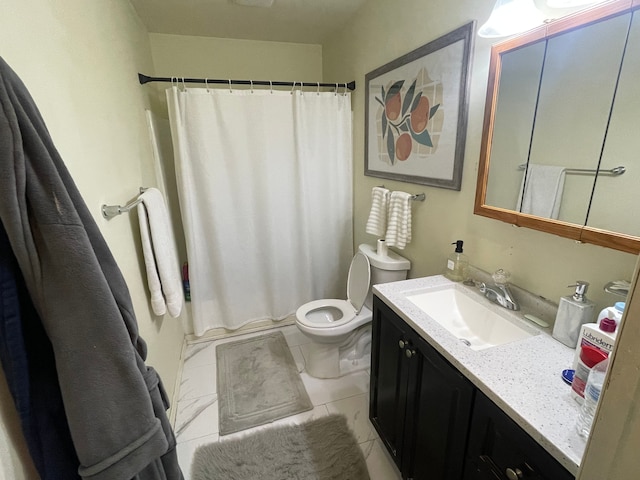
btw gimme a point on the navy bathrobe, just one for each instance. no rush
(115, 406)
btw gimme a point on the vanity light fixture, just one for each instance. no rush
(510, 17)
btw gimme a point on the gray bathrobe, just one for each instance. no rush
(115, 404)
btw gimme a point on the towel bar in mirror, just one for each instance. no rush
(565, 94)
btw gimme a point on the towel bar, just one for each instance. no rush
(110, 211)
(419, 197)
(586, 171)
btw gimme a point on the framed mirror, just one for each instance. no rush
(561, 128)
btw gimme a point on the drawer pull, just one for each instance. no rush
(409, 353)
(514, 473)
(402, 343)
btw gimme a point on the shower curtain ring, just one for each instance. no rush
(293, 87)
(184, 86)
(251, 85)
(172, 80)
(318, 90)
(345, 89)
(206, 84)
(336, 90)
(271, 86)
(230, 91)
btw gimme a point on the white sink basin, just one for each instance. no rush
(469, 320)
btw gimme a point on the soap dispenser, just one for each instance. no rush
(573, 311)
(457, 264)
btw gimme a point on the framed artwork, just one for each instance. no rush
(416, 113)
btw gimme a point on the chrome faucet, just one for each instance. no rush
(500, 294)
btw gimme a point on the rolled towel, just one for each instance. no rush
(160, 257)
(377, 222)
(399, 223)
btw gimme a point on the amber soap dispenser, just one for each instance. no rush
(457, 264)
(573, 311)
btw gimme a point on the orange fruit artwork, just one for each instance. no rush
(403, 146)
(392, 107)
(420, 115)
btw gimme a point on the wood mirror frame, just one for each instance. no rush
(581, 233)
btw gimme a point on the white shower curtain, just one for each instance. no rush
(264, 181)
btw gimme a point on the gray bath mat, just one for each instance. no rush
(258, 382)
(322, 449)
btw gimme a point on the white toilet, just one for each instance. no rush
(340, 330)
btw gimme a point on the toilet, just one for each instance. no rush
(340, 330)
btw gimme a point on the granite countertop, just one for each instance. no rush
(523, 377)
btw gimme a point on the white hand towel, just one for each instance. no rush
(377, 222)
(399, 223)
(160, 257)
(542, 191)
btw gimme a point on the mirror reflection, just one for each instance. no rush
(515, 111)
(561, 128)
(576, 92)
(551, 118)
(615, 199)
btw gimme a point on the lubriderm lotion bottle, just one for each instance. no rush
(573, 311)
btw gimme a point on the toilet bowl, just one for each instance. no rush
(339, 330)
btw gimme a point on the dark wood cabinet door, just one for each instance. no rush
(389, 371)
(499, 448)
(438, 415)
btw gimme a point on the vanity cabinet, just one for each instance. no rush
(419, 404)
(434, 422)
(500, 449)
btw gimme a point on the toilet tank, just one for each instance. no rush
(386, 267)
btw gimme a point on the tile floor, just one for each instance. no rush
(197, 407)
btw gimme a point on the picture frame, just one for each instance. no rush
(416, 113)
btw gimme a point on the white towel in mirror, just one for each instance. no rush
(543, 186)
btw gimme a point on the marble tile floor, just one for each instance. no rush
(197, 408)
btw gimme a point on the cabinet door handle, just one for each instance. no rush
(402, 344)
(409, 353)
(514, 473)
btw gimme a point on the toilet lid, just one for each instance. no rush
(358, 281)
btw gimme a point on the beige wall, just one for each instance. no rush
(189, 56)
(227, 58)
(79, 60)
(539, 262)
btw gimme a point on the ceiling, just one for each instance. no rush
(297, 21)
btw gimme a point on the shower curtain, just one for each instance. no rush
(265, 187)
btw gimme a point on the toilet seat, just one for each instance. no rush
(338, 330)
(331, 313)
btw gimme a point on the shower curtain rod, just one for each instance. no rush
(146, 79)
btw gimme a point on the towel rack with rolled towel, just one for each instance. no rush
(589, 171)
(418, 197)
(110, 211)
